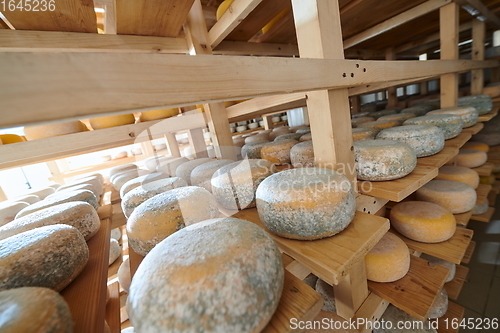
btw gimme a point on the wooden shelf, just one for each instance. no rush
(331, 258)
(482, 193)
(416, 291)
(463, 219)
(452, 250)
(439, 159)
(474, 129)
(454, 311)
(469, 252)
(485, 217)
(458, 141)
(113, 308)
(454, 287)
(484, 170)
(496, 187)
(487, 117)
(398, 189)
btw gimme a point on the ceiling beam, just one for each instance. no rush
(477, 9)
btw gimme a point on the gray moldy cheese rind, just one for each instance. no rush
(451, 125)
(219, 275)
(252, 150)
(382, 113)
(306, 203)
(378, 160)
(302, 155)
(139, 181)
(426, 140)
(184, 170)
(468, 114)
(68, 188)
(234, 185)
(482, 103)
(417, 110)
(9, 210)
(202, 174)
(288, 136)
(77, 214)
(34, 309)
(162, 215)
(50, 256)
(401, 117)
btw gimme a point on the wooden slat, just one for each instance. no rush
(70, 16)
(482, 193)
(448, 20)
(463, 218)
(496, 187)
(151, 17)
(372, 309)
(485, 217)
(469, 252)
(113, 308)
(478, 36)
(484, 170)
(118, 218)
(474, 129)
(454, 287)
(261, 49)
(416, 291)
(452, 249)
(455, 313)
(439, 159)
(487, 117)
(3, 25)
(458, 141)
(331, 258)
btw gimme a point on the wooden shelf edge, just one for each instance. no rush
(454, 287)
(439, 159)
(113, 308)
(484, 170)
(469, 252)
(463, 218)
(488, 116)
(474, 129)
(482, 193)
(486, 217)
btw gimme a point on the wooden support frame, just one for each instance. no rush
(478, 35)
(448, 21)
(392, 98)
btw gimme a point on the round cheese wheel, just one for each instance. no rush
(426, 140)
(11, 138)
(112, 121)
(97, 175)
(401, 117)
(77, 214)
(43, 193)
(50, 130)
(121, 168)
(306, 137)
(140, 181)
(471, 158)
(170, 167)
(257, 138)
(361, 120)
(34, 309)
(440, 305)
(385, 112)
(306, 203)
(394, 317)
(202, 279)
(490, 134)
(289, 136)
(362, 133)
(304, 130)
(114, 251)
(278, 152)
(238, 141)
(365, 111)
(50, 256)
(418, 111)
(326, 292)
(277, 132)
(451, 125)
(158, 114)
(433, 261)
(124, 277)
(302, 155)
(121, 179)
(469, 115)
(202, 174)
(481, 209)
(459, 174)
(95, 181)
(69, 188)
(455, 196)
(476, 145)
(380, 124)
(422, 221)
(388, 260)
(30, 198)
(311, 280)
(152, 163)
(482, 103)
(252, 150)
(234, 185)
(184, 170)
(383, 159)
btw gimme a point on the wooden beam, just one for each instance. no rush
(477, 76)
(236, 12)
(392, 99)
(478, 5)
(448, 21)
(396, 21)
(110, 17)
(257, 49)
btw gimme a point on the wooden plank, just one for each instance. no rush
(448, 21)
(264, 105)
(454, 287)
(261, 49)
(496, 187)
(283, 31)
(352, 291)
(463, 218)
(484, 170)
(375, 87)
(113, 308)
(416, 291)
(71, 16)
(452, 250)
(469, 252)
(331, 258)
(474, 129)
(392, 98)
(487, 117)
(118, 218)
(485, 217)
(478, 36)
(439, 159)
(372, 309)
(482, 193)
(455, 313)
(458, 141)
(151, 17)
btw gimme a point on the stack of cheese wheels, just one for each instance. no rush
(362, 133)
(471, 158)
(29, 198)
(422, 221)
(490, 134)
(451, 125)
(191, 274)
(401, 117)
(278, 131)
(77, 214)
(50, 130)
(289, 136)
(202, 174)
(393, 317)
(389, 260)
(112, 121)
(170, 167)
(302, 155)
(252, 150)
(482, 103)
(34, 309)
(162, 215)
(383, 159)
(234, 185)
(9, 210)
(278, 152)
(304, 130)
(433, 261)
(455, 196)
(326, 292)
(476, 145)
(262, 137)
(158, 114)
(184, 170)
(140, 181)
(426, 140)
(386, 112)
(78, 195)
(306, 137)
(459, 174)
(468, 114)
(361, 120)
(50, 256)
(306, 203)
(380, 124)
(142, 193)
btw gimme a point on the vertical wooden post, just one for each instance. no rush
(352, 291)
(56, 173)
(197, 142)
(218, 122)
(110, 17)
(477, 75)
(424, 88)
(355, 104)
(268, 122)
(172, 144)
(392, 99)
(147, 149)
(448, 25)
(3, 197)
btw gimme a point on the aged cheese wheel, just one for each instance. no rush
(471, 158)
(278, 152)
(77, 214)
(422, 221)
(279, 131)
(302, 155)
(451, 125)
(426, 140)
(142, 193)
(459, 174)
(361, 120)
(79, 195)
(289, 136)
(294, 129)
(306, 203)
(120, 179)
(184, 170)
(418, 111)
(168, 212)
(34, 309)
(264, 137)
(112, 121)
(481, 209)
(362, 133)
(114, 251)
(440, 305)
(220, 275)
(311, 280)
(50, 130)
(490, 134)
(383, 159)
(400, 117)
(116, 233)
(69, 188)
(385, 112)
(389, 260)
(170, 167)
(50, 256)
(121, 154)
(128, 330)
(380, 124)
(433, 261)
(252, 150)
(121, 168)
(96, 181)
(482, 103)
(11, 138)
(304, 130)
(43, 193)
(55, 186)
(202, 174)
(30, 198)
(365, 111)
(455, 196)
(9, 210)
(468, 114)
(306, 137)
(394, 317)
(234, 185)
(124, 274)
(326, 292)
(158, 114)
(141, 180)
(152, 163)
(476, 145)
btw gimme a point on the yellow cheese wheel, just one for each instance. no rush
(112, 121)
(50, 130)
(355, 122)
(459, 174)
(476, 145)
(455, 196)
(362, 133)
(471, 158)
(423, 221)
(387, 261)
(158, 114)
(278, 152)
(381, 124)
(275, 20)
(222, 8)
(11, 138)
(1, 142)
(279, 131)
